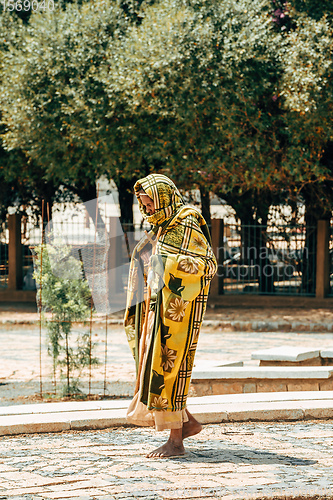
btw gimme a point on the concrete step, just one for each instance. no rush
(286, 353)
(229, 380)
(267, 372)
(58, 417)
(206, 364)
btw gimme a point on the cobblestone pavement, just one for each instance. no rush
(247, 460)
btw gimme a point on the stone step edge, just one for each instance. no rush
(56, 407)
(207, 414)
(233, 325)
(262, 373)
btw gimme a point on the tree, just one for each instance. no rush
(306, 87)
(54, 103)
(66, 295)
(207, 83)
(22, 179)
(200, 79)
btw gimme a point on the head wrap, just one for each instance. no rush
(165, 195)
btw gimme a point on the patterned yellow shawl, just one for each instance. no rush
(189, 265)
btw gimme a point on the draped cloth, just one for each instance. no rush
(177, 308)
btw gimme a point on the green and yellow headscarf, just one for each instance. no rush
(165, 195)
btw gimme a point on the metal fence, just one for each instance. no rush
(273, 260)
(279, 260)
(80, 233)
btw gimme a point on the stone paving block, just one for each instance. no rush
(226, 387)
(101, 419)
(261, 397)
(28, 478)
(271, 386)
(207, 414)
(21, 424)
(27, 492)
(64, 478)
(317, 409)
(303, 386)
(258, 458)
(6, 468)
(94, 482)
(326, 385)
(204, 364)
(286, 353)
(61, 407)
(274, 411)
(306, 362)
(88, 493)
(327, 352)
(249, 387)
(273, 372)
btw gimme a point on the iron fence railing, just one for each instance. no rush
(80, 232)
(279, 260)
(274, 260)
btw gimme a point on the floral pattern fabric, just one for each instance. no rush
(189, 265)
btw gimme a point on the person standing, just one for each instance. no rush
(179, 275)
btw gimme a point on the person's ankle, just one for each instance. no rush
(176, 440)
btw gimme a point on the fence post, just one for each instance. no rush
(323, 268)
(15, 271)
(115, 253)
(217, 245)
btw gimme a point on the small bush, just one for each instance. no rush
(63, 291)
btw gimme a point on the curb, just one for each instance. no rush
(233, 325)
(269, 326)
(93, 415)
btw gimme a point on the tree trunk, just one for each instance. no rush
(309, 264)
(205, 206)
(125, 194)
(88, 194)
(253, 238)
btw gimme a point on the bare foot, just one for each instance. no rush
(168, 449)
(172, 448)
(191, 427)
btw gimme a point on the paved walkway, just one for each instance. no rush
(226, 461)
(84, 415)
(19, 367)
(233, 459)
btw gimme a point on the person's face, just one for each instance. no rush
(148, 204)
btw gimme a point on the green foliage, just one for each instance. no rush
(10, 36)
(198, 80)
(225, 96)
(53, 103)
(306, 57)
(306, 86)
(314, 8)
(66, 295)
